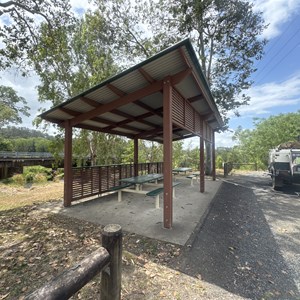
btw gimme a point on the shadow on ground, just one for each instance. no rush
(235, 248)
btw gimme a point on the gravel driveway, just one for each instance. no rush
(249, 243)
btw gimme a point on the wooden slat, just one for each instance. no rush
(91, 181)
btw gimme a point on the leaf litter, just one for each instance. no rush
(37, 246)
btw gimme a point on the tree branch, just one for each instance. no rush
(14, 3)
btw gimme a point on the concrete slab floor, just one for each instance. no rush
(137, 213)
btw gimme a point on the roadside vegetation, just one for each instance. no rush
(253, 145)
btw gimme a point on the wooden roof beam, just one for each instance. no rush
(117, 91)
(137, 102)
(149, 133)
(122, 114)
(157, 111)
(95, 128)
(100, 120)
(108, 107)
(146, 75)
(140, 119)
(152, 88)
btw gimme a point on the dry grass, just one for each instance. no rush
(13, 196)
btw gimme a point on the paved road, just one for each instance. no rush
(249, 243)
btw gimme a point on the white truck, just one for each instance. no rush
(284, 164)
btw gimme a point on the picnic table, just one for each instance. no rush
(138, 181)
(179, 170)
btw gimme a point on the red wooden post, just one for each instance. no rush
(68, 178)
(202, 167)
(213, 156)
(167, 135)
(136, 156)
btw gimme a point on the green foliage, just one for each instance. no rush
(13, 132)
(219, 162)
(178, 154)
(11, 106)
(5, 144)
(226, 37)
(21, 32)
(224, 33)
(254, 145)
(98, 148)
(30, 144)
(74, 58)
(150, 151)
(37, 174)
(56, 148)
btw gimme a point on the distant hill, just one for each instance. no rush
(12, 132)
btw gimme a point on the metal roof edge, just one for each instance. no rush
(184, 42)
(196, 63)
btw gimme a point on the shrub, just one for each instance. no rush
(28, 177)
(18, 179)
(31, 171)
(39, 178)
(58, 174)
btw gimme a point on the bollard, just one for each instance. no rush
(111, 275)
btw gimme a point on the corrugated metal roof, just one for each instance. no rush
(109, 105)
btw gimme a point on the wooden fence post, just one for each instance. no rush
(111, 276)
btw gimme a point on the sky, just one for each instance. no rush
(276, 87)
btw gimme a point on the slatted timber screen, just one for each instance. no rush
(177, 108)
(96, 180)
(185, 116)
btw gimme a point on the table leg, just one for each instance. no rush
(157, 201)
(119, 196)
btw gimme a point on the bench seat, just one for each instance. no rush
(193, 176)
(155, 193)
(119, 189)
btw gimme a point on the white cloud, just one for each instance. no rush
(224, 139)
(266, 97)
(80, 6)
(276, 13)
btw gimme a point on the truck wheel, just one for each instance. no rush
(276, 183)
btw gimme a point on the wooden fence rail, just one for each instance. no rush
(107, 259)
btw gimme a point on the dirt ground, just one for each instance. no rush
(247, 248)
(35, 247)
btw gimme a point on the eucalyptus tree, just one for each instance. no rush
(12, 106)
(98, 148)
(21, 31)
(226, 37)
(225, 34)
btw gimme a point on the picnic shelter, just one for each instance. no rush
(163, 99)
